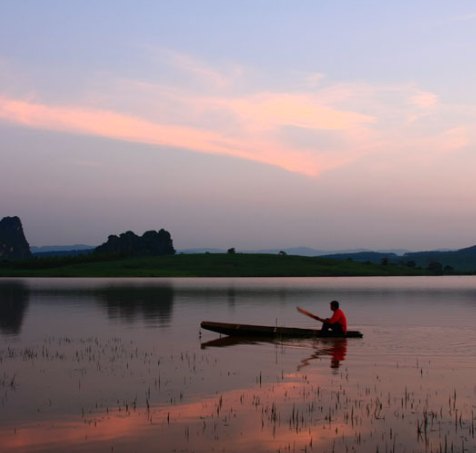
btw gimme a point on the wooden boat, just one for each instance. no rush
(249, 330)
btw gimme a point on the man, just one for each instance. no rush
(337, 322)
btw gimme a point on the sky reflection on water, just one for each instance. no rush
(96, 365)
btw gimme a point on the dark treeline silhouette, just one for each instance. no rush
(151, 243)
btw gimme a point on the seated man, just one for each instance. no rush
(337, 323)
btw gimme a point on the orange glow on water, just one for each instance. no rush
(299, 411)
(263, 418)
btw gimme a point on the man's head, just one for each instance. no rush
(334, 305)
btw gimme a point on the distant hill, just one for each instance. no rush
(61, 250)
(468, 251)
(201, 250)
(463, 260)
(363, 257)
(63, 253)
(299, 251)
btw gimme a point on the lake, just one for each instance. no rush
(121, 365)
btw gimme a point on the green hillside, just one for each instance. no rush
(198, 265)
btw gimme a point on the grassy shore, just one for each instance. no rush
(200, 265)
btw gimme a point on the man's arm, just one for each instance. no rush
(304, 312)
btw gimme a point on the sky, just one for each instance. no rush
(250, 124)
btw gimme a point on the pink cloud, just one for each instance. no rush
(259, 116)
(195, 106)
(446, 141)
(196, 68)
(424, 100)
(299, 110)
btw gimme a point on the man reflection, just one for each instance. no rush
(336, 348)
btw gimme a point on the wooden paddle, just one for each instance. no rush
(304, 312)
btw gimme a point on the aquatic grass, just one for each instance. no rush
(317, 410)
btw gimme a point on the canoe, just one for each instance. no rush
(249, 330)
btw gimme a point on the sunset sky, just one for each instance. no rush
(248, 124)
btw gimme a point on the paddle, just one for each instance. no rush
(304, 312)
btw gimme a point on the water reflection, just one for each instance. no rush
(231, 296)
(227, 341)
(152, 303)
(14, 300)
(81, 384)
(335, 348)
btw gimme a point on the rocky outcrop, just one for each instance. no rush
(13, 244)
(151, 243)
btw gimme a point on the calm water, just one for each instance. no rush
(103, 365)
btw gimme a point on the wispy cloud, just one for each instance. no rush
(424, 100)
(314, 80)
(464, 17)
(196, 68)
(256, 120)
(104, 123)
(361, 119)
(448, 141)
(122, 127)
(191, 72)
(299, 110)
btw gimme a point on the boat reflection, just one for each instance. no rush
(335, 348)
(226, 341)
